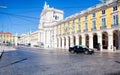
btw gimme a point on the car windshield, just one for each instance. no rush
(82, 46)
(78, 46)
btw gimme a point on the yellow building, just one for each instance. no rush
(31, 39)
(7, 38)
(97, 26)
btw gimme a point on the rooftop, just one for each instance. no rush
(5, 33)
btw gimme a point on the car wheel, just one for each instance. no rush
(72, 51)
(86, 52)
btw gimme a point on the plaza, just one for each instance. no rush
(36, 61)
(97, 26)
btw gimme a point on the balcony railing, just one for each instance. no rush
(114, 25)
(85, 30)
(103, 27)
(93, 28)
(68, 32)
(73, 32)
(79, 31)
(59, 34)
(64, 33)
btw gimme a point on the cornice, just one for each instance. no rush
(90, 10)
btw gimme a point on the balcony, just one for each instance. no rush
(59, 34)
(85, 30)
(93, 28)
(73, 32)
(68, 33)
(78, 31)
(114, 25)
(64, 33)
(103, 27)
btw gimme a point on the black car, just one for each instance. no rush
(80, 49)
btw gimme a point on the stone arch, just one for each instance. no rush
(69, 41)
(95, 40)
(115, 38)
(80, 39)
(64, 41)
(87, 40)
(60, 42)
(74, 40)
(105, 40)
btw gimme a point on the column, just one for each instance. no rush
(83, 39)
(45, 40)
(90, 40)
(67, 46)
(55, 37)
(62, 42)
(58, 42)
(39, 38)
(100, 40)
(71, 40)
(16, 39)
(77, 40)
(110, 41)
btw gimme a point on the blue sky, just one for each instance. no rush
(21, 16)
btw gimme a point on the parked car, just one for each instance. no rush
(80, 49)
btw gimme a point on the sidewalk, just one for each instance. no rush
(7, 48)
(116, 51)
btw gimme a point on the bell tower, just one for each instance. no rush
(49, 16)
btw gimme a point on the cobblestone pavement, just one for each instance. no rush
(31, 61)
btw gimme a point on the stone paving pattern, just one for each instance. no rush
(32, 61)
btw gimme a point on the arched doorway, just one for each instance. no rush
(64, 41)
(105, 40)
(74, 40)
(68, 41)
(80, 40)
(60, 42)
(95, 41)
(87, 40)
(115, 39)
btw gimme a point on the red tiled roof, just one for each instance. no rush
(5, 33)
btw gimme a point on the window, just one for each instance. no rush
(115, 8)
(94, 15)
(60, 29)
(103, 12)
(86, 26)
(73, 25)
(68, 26)
(56, 17)
(115, 19)
(103, 22)
(94, 24)
(85, 18)
(79, 24)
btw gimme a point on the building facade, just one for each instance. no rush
(96, 26)
(8, 38)
(47, 32)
